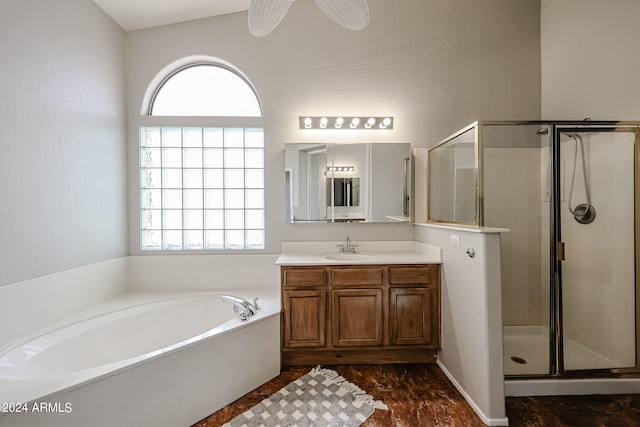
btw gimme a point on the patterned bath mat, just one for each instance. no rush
(319, 398)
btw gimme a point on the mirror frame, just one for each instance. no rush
(477, 199)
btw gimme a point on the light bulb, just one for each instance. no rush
(355, 122)
(370, 123)
(308, 122)
(323, 122)
(339, 122)
(385, 123)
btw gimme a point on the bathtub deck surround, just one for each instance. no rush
(364, 302)
(116, 338)
(166, 337)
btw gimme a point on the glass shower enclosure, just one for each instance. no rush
(568, 192)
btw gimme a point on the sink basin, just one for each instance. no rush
(343, 256)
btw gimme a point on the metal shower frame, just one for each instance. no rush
(556, 246)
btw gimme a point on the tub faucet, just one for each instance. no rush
(245, 308)
(349, 248)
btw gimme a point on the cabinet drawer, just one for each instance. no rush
(303, 277)
(356, 276)
(410, 275)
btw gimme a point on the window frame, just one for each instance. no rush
(169, 76)
(145, 120)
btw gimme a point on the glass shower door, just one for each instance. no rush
(597, 290)
(517, 191)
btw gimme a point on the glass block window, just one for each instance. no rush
(202, 188)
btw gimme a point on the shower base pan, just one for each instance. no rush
(526, 352)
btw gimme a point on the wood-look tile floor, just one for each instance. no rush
(422, 396)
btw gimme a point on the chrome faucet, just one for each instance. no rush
(245, 308)
(349, 248)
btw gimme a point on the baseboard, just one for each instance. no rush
(356, 357)
(488, 421)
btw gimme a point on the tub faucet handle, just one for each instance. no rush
(255, 303)
(244, 307)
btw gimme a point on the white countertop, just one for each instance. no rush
(367, 252)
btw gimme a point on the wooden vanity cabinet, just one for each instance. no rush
(360, 314)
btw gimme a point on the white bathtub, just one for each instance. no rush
(140, 359)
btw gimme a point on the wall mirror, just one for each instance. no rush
(364, 182)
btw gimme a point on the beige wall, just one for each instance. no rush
(62, 145)
(589, 62)
(435, 66)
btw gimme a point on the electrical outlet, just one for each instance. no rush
(455, 240)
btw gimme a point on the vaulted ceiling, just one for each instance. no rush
(137, 14)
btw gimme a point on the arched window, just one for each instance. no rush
(202, 187)
(205, 90)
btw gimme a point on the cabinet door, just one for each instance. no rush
(410, 316)
(304, 318)
(357, 317)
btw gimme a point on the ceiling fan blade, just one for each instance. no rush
(351, 14)
(265, 15)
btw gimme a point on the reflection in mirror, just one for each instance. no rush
(348, 182)
(452, 180)
(346, 191)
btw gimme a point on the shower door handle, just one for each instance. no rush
(560, 251)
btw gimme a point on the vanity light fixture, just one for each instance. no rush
(361, 123)
(340, 169)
